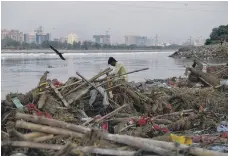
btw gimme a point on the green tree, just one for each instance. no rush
(218, 34)
(97, 45)
(105, 46)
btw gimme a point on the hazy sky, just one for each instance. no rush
(170, 20)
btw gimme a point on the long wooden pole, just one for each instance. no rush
(79, 81)
(111, 113)
(85, 149)
(91, 80)
(46, 129)
(51, 122)
(134, 71)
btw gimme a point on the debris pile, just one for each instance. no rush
(109, 116)
(202, 52)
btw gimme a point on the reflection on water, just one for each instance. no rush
(22, 72)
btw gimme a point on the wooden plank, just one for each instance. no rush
(59, 95)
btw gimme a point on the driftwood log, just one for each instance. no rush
(133, 95)
(210, 79)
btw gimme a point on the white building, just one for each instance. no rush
(15, 35)
(71, 38)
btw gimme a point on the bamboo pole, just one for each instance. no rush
(51, 122)
(123, 74)
(59, 95)
(135, 143)
(91, 80)
(32, 135)
(106, 116)
(144, 143)
(79, 81)
(46, 129)
(175, 113)
(76, 150)
(43, 138)
(111, 113)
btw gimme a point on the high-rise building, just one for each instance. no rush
(102, 39)
(40, 38)
(4, 33)
(13, 34)
(71, 38)
(136, 40)
(30, 37)
(37, 36)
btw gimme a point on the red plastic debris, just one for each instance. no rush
(142, 121)
(33, 109)
(105, 126)
(224, 135)
(156, 127)
(56, 83)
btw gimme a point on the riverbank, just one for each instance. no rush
(217, 51)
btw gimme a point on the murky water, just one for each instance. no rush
(21, 72)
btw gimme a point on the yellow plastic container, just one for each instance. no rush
(181, 139)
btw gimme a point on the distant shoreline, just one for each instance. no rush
(8, 51)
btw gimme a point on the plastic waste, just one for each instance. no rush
(223, 127)
(181, 139)
(224, 82)
(219, 148)
(93, 95)
(17, 103)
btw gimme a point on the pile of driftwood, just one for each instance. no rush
(98, 142)
(57, 117)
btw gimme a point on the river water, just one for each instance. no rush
(21, 72)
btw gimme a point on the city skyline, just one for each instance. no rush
(38, 36)
(170, 20)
